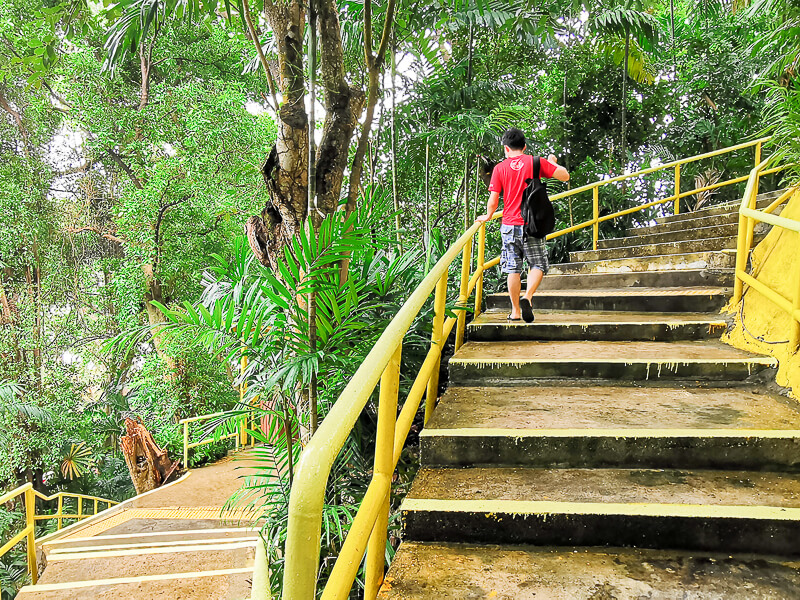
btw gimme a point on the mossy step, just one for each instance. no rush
(511, 362)
(660, 249)
(640, 299)
(648, 279)
(634, 238)
(727, 511)
(762, 201)
(441, 571)
(597, 325)
(608, 426)
(713, 260)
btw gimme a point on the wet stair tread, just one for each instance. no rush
(637, 291)
(457, 571)
(610, 407)
(545, 489)
(604, 351)
(590, 317)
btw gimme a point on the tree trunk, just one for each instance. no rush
(149, 466)
(625, 98)
(393, 132)
(286, 169)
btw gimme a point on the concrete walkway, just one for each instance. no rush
(175, 542)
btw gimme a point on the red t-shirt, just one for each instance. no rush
(508, 178)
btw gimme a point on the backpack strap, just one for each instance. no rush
(536, 167)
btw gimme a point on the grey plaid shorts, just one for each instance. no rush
(515, 245)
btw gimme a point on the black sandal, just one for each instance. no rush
(508, 318)
(526, 309)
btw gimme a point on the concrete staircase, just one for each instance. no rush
(175, 542)
(614, 448)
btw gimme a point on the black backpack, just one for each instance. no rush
(537, 210)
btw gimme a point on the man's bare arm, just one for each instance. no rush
(491, 206)
(560, 173)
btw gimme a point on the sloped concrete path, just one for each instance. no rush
(178, 541)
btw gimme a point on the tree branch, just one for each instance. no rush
(4, 104)
(108, 236)
(128, 171)
(254, 35)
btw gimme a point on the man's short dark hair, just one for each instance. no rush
(513, 138)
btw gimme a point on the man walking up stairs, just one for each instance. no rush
(614, 448)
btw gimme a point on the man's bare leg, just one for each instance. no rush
(535, 277)
(514, 287)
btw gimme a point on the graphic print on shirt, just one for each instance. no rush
(517, 164)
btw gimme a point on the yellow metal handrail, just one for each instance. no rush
(210, 440)
(676, 196)
(241, 425)
(368, 531)
(748, 216)
(29, 531)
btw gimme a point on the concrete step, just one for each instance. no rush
(590, 325)
(441, 571)
(653, 279)
(225, 584)
(634, 238)
(712, 260)
(149, 539)
(89, 565)
(609, 426)
(661, 249)
(762, 201)
(677, 299)
(698, 222)
(505, 363)
(722, 511)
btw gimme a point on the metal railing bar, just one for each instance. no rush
(413, 401)
(669, 165)
(766, 291)
(780, 200)
(15, 540)
(771, 219)
(355, 544)
(15, 492)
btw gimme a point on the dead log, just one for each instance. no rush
(149, 465)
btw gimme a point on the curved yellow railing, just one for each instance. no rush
(368, 531)
(748, 217)
(29, 532)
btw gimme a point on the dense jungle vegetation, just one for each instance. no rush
(163, 206)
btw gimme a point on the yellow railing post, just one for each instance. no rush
(758, 154)
(677, 189)
(595, 215)
(60, 511)
(466, 268)
(30, 525)
(242, 390)
(384, 465)
(95, 506)
(80, 508)
(186, 445)
(439, 302)
(794, 340)
(751, 204)
(479, 269)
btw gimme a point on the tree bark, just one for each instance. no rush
(149, 466)
(286, 169)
